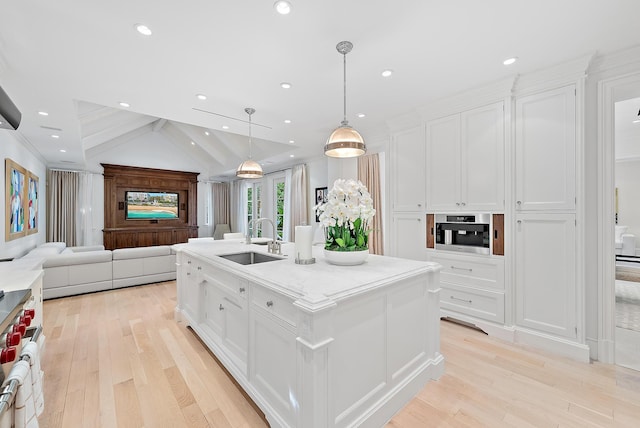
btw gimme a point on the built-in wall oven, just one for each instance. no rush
(469, 233)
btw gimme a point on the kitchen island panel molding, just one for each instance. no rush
(358, 349)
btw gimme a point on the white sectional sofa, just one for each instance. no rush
(77, 270)
(77, 273)
(143, 265)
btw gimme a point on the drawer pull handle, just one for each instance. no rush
(242, 289)
(269, 303)
(460, 300)
(221, 307)
(199, 267)
(189, 262)
(188, 273)
(459, 268)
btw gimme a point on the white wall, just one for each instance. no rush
(13, 147)
(628, 184)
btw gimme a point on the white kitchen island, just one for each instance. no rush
(315, 345)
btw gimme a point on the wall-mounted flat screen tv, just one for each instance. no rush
(151, 205)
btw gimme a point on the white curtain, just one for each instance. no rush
(286, 226)
(369, 175)
(221, 208)
(299, 201)
(238, 210)
(62, 206)
(84, 225)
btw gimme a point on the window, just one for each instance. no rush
(254, 205)
(279, 194)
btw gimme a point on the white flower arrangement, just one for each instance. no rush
(346, 216)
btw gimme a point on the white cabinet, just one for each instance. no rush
(465, 161)
(407, 171)
(472, 286)
(408, 235)
(226, 314)
(273, 358)
(191, 276)
(545, 150)
(546, 273)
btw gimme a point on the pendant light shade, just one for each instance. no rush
(249, 168)
(344, 141)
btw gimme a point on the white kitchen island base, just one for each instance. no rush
(316, 345)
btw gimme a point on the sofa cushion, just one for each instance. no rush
(141, 252)
(44, 252)
(84, 248)
(87, 257)
(60, 245)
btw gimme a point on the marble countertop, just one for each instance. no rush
(313, 285)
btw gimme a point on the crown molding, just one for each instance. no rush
(553, 77)
(402, 122)
(469, 99)
(620, 62)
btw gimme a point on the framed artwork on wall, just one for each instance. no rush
(33, 195)
(15, 200)
(321, 197)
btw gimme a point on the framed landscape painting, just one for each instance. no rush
(33, 195)
(15, 194)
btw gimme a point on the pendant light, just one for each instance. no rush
(344, 142)
(249, 168)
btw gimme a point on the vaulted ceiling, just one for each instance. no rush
(78, 60)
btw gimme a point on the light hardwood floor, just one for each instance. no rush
(118, 359)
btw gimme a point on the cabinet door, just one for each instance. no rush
(545, 150)
(482, 158)
(546, 273)
(407, 171)
(443, 164)
(189, 293)
(273, 364)
(408, 236)
(236, 328)
(214, 307)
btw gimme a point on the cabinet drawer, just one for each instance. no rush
(487, 305)
(474, 272)
(275, 304)
(226, 281)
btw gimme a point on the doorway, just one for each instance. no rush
(626, 232)
(610, 91)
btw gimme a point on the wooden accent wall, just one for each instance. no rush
(430, 231)
(122, 233)
(498, 234)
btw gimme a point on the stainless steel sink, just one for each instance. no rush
(261, 242)
(250, 258)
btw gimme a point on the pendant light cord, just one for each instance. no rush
(250, 136)
(344, 57)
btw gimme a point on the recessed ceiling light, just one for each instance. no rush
(63, 151)
(283, 7)
(361, 115)
(225, 127)
(287, 121)
(143, 29)
(55, 136)
(285, 85)
(123, 104)
(291, 141)
(43, 113)
(201, 97)
(193, 144)
(510, 61)
(387, 73)
(206, 133)
(291, 156)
